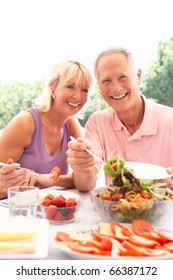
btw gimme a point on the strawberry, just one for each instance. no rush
(51, 212)
(58, 216)
(46, 202)
(69, 216)
(59, 201)
(71, 202)
(49, 196)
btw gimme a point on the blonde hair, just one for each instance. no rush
(114, 50)
(65, 70)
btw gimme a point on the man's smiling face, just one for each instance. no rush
(118, 81)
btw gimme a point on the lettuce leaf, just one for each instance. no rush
(121, 169)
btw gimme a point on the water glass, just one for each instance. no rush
(23, 201)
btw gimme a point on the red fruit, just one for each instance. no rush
(69, 216)
(59, 201)
(46, 202)
(107, 243)
(116, 196)
(54, 173)
(58, 216)
(49, 196)
(142, 227)
(51, 212)
(71, 202)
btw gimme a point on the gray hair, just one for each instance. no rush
(114, 50)
(66, 70)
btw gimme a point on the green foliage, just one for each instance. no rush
(157, 84)
(17, 96)
(95, 103)
(158, 81)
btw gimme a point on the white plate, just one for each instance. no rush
(41, 226)
(66, 194)
(146, 171)
(86, 230)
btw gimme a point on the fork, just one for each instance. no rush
(91, 153)
(111, 154)
(2, 164)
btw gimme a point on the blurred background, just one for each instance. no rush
(37, 34)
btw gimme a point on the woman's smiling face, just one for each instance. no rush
(71, 95)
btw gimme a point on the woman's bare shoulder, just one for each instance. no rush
(22, 123)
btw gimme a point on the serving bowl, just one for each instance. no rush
(155, 212)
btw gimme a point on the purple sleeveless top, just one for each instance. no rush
(35, 156)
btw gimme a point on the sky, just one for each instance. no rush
(37, 34)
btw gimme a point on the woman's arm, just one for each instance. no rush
(16, 137)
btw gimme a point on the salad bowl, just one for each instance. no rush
(129, 198)
(121, 211)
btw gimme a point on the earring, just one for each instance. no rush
(53, 96)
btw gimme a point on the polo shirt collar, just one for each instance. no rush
(149, 123)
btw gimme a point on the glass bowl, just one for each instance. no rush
(59, 207)
(59, 214)
(108, 211)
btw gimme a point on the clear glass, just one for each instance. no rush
(23, 201)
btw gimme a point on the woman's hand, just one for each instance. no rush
(11, 175)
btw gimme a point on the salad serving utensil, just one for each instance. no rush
(91, 153)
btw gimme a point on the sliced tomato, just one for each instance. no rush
(107, 243)
(155, 236)
(142, 241)
(62, 236)
(55, 172)
(103, 253)
(84, 249)
(93, 243)
(116, 196)
(127, 231)
(114, 165)
(131, 253)
(166, 234)
(169, 246)
(132, 249)
(142, 227)
(96, 235)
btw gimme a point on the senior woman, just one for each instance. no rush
(36, 140)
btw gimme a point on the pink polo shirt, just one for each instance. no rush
(151, 143)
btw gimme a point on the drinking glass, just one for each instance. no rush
(23, 201)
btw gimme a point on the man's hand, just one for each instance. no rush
(78, 158)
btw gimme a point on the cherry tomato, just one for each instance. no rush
(142, 227)
(55, 172)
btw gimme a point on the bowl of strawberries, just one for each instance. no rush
(59, 206)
